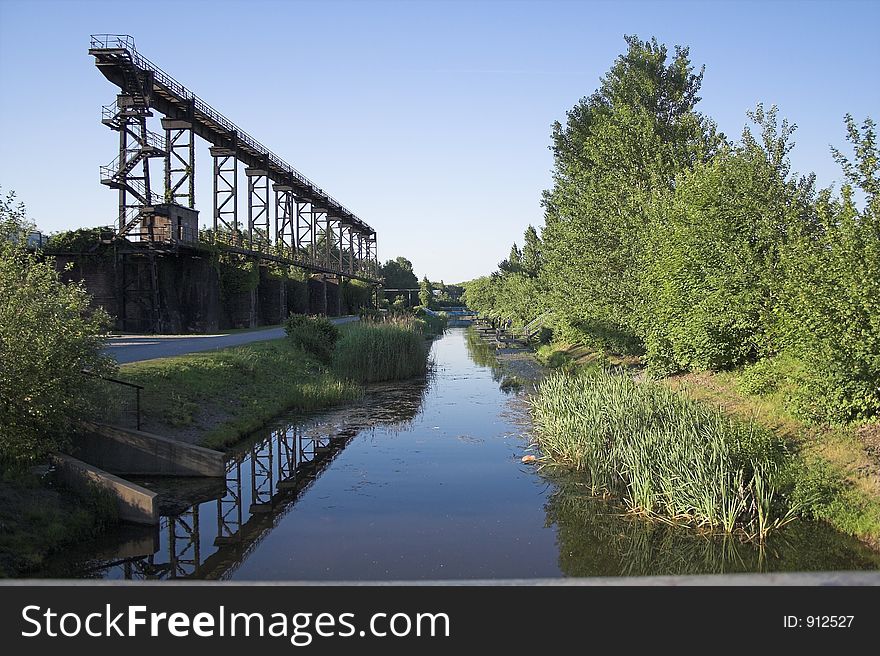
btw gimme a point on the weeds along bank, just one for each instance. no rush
(666, 455)
(374, 351)
(217, 398)
(696, 451)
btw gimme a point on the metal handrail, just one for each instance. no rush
(137, 388)
(108, 174)
(126, 42)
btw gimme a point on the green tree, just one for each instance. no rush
(398, 274)
(618, 150)
(712, 278)
(48, 335)
(480, 295)
(531, 260)
(513, 263)
(426, 292)
(831, 301)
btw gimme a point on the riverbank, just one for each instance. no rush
(838, 474)
(39, 519)
(211, 398)
(217, 398)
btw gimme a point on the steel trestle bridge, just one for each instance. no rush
(310, 229)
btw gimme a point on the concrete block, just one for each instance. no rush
(125, 451)
(135, 503)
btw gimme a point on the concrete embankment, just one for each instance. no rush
(134, 503)
(130, 452)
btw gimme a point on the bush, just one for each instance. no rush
(83, 240)
(315, 335)
(831, 300)
(48, 336)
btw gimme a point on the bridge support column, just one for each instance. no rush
(371, 255)
(285, 229)
(351, 255)
(226, 196)
(359, 261)
(180, 163)
(306, 231)
(262, 477)
(331, 224)
(258, 208)
(229, 514)
(319, 218)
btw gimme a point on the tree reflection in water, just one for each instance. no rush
(596, 537)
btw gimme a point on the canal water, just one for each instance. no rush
(419, 481)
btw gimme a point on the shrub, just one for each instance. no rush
(315, 335)
(48, 335)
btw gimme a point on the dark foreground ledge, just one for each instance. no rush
(774, 579)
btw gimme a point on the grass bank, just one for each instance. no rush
(216, 398)
(38, 519)
(827, 472)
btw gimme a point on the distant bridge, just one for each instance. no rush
(311, 229)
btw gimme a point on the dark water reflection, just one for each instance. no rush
(420, 480)
(596, 538)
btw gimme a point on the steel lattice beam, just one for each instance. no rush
(226, 196)
(229, 513)
(306, 231)
(262, 477)
(285, 221)
(180, 162)
(258, 208)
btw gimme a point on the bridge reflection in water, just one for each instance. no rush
(210, 539)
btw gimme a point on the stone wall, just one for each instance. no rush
(191, 296)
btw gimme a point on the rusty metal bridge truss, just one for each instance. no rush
(311, 229)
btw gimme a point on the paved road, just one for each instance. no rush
(133, 348)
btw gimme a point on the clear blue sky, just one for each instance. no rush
(430, 120)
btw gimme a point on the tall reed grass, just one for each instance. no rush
(370, 352)
(666, 455)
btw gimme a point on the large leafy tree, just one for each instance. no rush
(618, 150)
(831, 301)
(48, 336)
(712, 270)
(398, 274)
